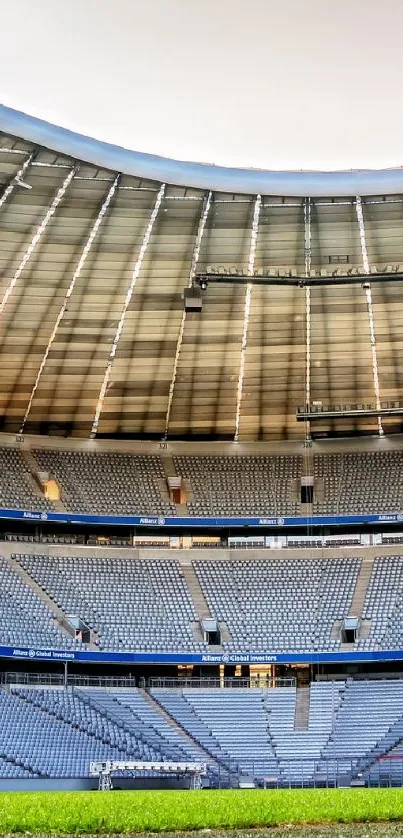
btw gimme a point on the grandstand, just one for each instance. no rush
(284, 604)
(122, 483)
(239, 734)
(164, 328)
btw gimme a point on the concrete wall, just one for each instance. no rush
(7, 548)
(394, 442)
(45, 784)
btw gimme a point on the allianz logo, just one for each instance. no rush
(43, 653)
(239, 658)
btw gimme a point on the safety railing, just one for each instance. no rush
(210, 683)
(58, 679)
(55, 679)
(344, 772)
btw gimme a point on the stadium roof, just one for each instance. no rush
(199, 175)
(97, 245)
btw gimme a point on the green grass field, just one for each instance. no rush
(175, 811)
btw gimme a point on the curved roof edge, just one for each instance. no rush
(199, 175)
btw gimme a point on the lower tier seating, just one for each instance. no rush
(353, 728)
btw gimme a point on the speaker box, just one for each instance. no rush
(193, 300)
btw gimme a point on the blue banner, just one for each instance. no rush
(153, 521)
(69, 655)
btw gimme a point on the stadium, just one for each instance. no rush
(201, 482)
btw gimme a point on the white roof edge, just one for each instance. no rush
(199, 175)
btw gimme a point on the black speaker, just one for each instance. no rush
(193, 299)
(306, 494)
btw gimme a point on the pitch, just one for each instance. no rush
(336, 812)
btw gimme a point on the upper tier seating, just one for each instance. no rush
(107, 484)
(130, 484)
(279, 604)
(16, 489)
(241, 485)
(137, 605)
(361, 482)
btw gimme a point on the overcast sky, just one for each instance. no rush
(264, 83)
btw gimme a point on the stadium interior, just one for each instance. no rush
(201, 476)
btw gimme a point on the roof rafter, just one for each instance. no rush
(248, 297)
(192, 274)
(76, 276)
(129, 294)
(38, 235)
(371, 319)
(16, 179)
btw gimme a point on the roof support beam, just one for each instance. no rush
(299, 281)
(129, 294)
(38, 235)
(76, 276)
(308, 262)
(192, 273)
(248, 298)
(347, 411)
(371, 319)
(15, 181)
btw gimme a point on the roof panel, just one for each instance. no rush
(184, 370)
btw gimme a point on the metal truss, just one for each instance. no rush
(104, 770)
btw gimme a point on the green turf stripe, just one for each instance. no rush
(153, 811)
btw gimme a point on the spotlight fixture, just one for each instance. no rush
(203, 283)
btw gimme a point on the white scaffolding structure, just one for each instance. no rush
(104, 770)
